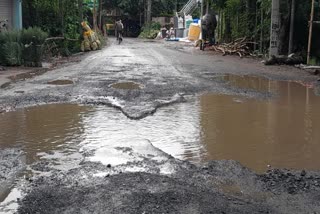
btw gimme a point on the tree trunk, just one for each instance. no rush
(145, 11)
(261, 30)
(100, 15)
(250, 8)
(80, 5)
(149, 10)
(227, 35)
(293, 7)
(275, 28)
(94, 13)
(255, 27)
(61, 14)
(310, 31)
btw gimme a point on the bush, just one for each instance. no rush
(33, 35)
(10, 48)
(32, 40)
(150, 31)
(102, 39)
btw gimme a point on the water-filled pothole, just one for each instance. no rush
(127, 85)
(61, 82)
(257, 83)
(282, 132)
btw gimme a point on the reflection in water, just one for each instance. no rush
(283, 132)
(41, 129)
(174, 129)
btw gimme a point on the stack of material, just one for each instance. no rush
(90, 39)
(239, 46)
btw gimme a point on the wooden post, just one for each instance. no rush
(275, 28)
(310, 31)
(293, 8)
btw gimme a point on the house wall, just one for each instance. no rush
(12, 11)
(6, 11)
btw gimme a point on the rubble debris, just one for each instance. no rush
(238, 46)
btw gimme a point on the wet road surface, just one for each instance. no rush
(170, 105)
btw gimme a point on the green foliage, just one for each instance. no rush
(102, 39)
(57, 17)
(32, 40)
(25, 46)
(244, 18)
(33, 35)
(10, 48)
(12, 52)
(150, 31)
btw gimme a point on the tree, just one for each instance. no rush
(275, 28)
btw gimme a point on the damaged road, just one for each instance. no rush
(138, 171)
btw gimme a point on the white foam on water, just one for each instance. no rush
(122, 151)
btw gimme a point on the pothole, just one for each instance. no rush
(127, 86)
(61, 82)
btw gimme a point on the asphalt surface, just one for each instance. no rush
(167, 73)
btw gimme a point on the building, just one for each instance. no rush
(11, 10)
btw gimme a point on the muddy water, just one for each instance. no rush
(126, 85)
(282, 132)
(39, 130)
(61, 82)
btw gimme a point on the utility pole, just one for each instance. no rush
(275, 28)
(310, 31)
(149, 10)
(293, 8)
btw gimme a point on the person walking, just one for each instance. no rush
(119, 30)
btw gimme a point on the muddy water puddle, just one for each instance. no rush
(281, 132)
(126, 85)
(42, 129)
(61, 82)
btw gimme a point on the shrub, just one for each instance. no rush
(10, 48)
(150, 31)
(32, 40)
(33, 35)
(102, 39)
